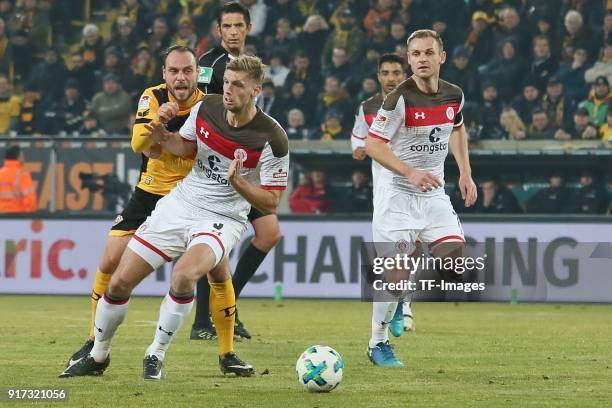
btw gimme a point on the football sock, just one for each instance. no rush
(173, 311)
(248, 263)
(202, 316)
(223, 307)
(382, 313)
(109, 315)
(97, 291)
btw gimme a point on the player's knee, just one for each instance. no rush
(182, 280)
(109, 263)
(120, 287)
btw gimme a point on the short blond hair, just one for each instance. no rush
(426, 34)
(251, 65)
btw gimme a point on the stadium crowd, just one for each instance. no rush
(529, 69)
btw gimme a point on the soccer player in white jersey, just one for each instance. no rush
(391, 72)
(241, 160)
(410, 137)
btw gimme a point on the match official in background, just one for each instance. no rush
(17, 191)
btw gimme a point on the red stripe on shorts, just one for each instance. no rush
(152, 248)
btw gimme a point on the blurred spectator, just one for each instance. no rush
(331, 128)
(168, 8)
(112, 65)
(136, 13)
(281, 9)
(48, 77)
(557, 106)
(543, 65)
(270, 103)
(582, 127)
(461, 73)
(136, 79)
(358, 197)
(185, 35)
(480, 42)
(6, 9)
(369, 87)
(398, 33)
(124, 38)
(31, 114)
(158, 39)
(488, 112)
(259, 13)
(83, 73)
(17, 190)
(592, 198)
(555, 199)
(146, 65)
(90, 126)
(603, 66)
(300, 98)
(509, 28)
(497, 198)
(302, 70)
(458, 202)
(296, 125)
(10, 105)
(379, 38)
(348, 36)
(29, 30)
(112, 106)
(203, 14)
(525, 103)
(445, 30)
(283, 41)
(574, 35)
(277, 71)
(92, 46)
(505, 71)
(572, 76)
(605, 132)
(313, 197)
(367, 67)
(598, 101)
(314, 33)
(541, 127)
(6, 53)
(333, 98)
(512, 124)
(340, 68)
(413, 14)
(67, 113)
(380, 12)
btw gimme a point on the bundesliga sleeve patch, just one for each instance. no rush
(205, 75)
(144, 102)
(380, 122)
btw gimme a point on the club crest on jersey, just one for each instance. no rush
(450, 113)
(240, 154)
(419, 115)
(401, 245)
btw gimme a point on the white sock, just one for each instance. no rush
(172, 314)
(109, 315)
(382, 313)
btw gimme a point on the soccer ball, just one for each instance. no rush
(319, 369)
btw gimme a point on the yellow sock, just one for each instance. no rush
(223, 311)
(99, 287)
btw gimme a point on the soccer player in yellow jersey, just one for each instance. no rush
(160, 170)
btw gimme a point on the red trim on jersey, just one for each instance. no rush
(274, 187)
(179, 300)
(369, 118)
(374, 135)
(115, 302)
(431, 115)
(223, 145)
(358, 137)
(446, 238)
(215, 237)
(152, 248)
(188, 140)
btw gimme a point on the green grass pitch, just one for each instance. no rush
(476, 354)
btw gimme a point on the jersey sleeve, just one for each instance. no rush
(459, 115)
(147, 111)
(389, 118)
(274, 171)
(360, 130)
(188, 130)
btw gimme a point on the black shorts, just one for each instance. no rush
(136, 211)
(255, 214)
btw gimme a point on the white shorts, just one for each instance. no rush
(172, 229)
(405, 218)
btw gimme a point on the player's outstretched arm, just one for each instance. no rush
(171, 141)
(266, 201)
(459, 146)
(380, 151)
